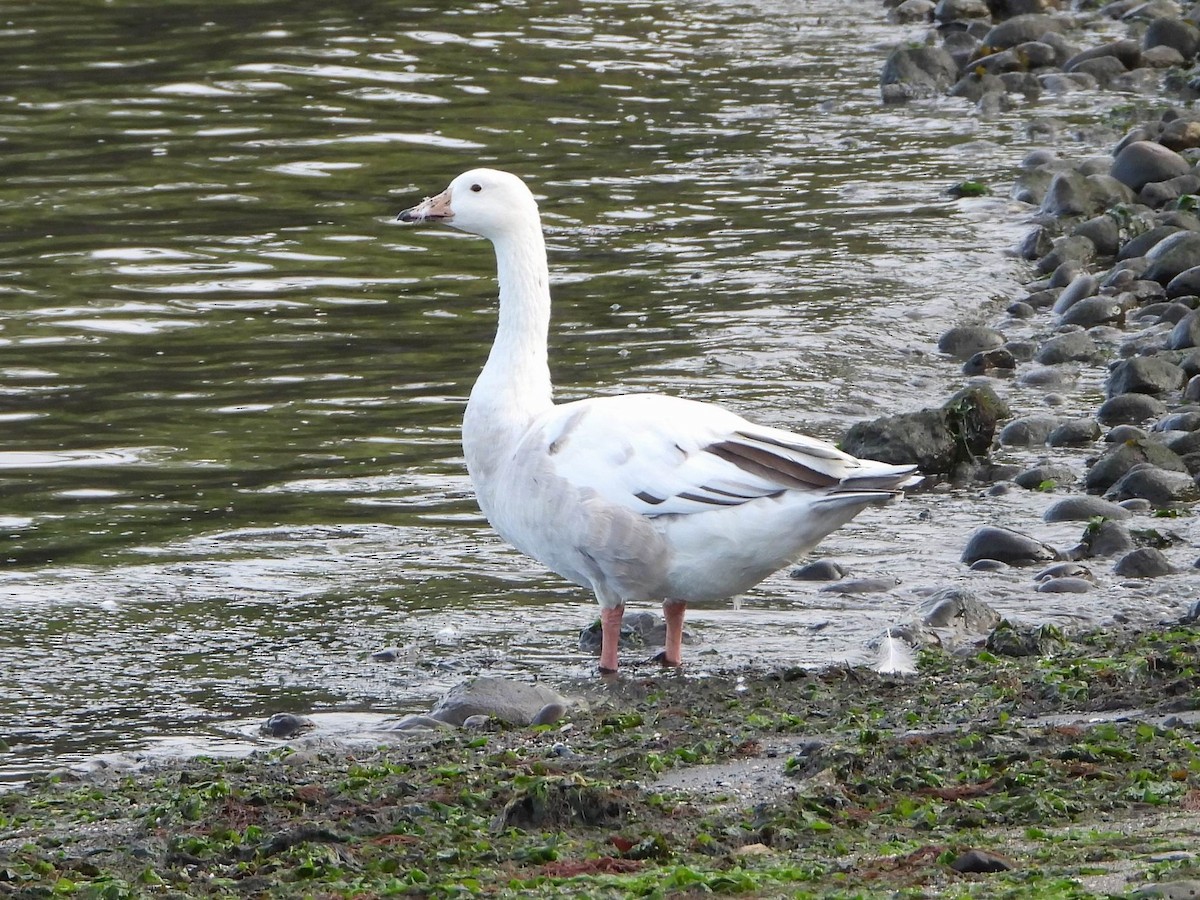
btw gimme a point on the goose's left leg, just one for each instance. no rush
(673, 611)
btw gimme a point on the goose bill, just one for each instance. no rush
(436, 209)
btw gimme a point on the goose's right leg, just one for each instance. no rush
(610, 637)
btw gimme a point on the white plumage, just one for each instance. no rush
(640, 496)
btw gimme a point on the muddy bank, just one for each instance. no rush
(1068, 774)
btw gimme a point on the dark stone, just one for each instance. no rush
(980, 862)
(913, 72)
(1104, 232)
(1127, 52)
(1183, 420)
(1113, 465)
(1028, 430)
(1174, 33)
(990, 360)
(964, 341)
(1146, 241)
(1071, 249)
(1144, 375)
(1033, 479)
(1144, 562)
(937, 440)
(1080, 287)
(286, 725)
(1020, 29)
(1160, 486)
(1123, 433)
(1009, 639)
(1105, 69)
(1074, 346)
(1142, 162)
(1007, 546)
(1186, 332)
(1173, 255)
(1108, 538)
(1074, 433)
(1092, 311)
(818, 570)
(1083, 509)
(1191, 390)
(877, 585)
(1158, 194)
(957, 10)
(1130, 409)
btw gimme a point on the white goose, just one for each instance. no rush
(640, 496)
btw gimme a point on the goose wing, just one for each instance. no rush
(660, 455)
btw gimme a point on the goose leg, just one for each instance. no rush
(610, 637)
(673, 611)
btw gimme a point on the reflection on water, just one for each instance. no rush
(230, 386)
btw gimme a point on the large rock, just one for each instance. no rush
(964, 341)
(1084, 508)
(913, 72)
(958, 610)
(937, 440)
(1028, 431)
(1142, 162)
(1129, 409)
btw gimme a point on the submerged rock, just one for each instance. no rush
(1083, 509)
(515, 702)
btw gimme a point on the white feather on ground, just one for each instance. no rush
(895, 657)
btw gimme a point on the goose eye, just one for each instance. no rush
(477, 188)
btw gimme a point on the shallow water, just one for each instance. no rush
(230, 385)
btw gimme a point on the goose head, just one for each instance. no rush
(486, 202)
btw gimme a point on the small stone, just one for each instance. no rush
(980, 861)
(1121, 458)
(286, 725)
(998, 360)
(1091, 311)
(1064, 586)
(1186, 332)
(964, 341)
(1041, 477)
(1028, 431)
(1020, 29)
(1065, 570)
(1074, 346)
(1173, 255)
(1144, 562)
(477, 722)
(549, 714)
(1074, 433)
(861, 586)
(913, 72)
(1122, 433)
(1010, 639)
(1007, 546)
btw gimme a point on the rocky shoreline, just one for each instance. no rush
(1019, 761)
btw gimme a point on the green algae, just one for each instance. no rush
(1073, 765)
